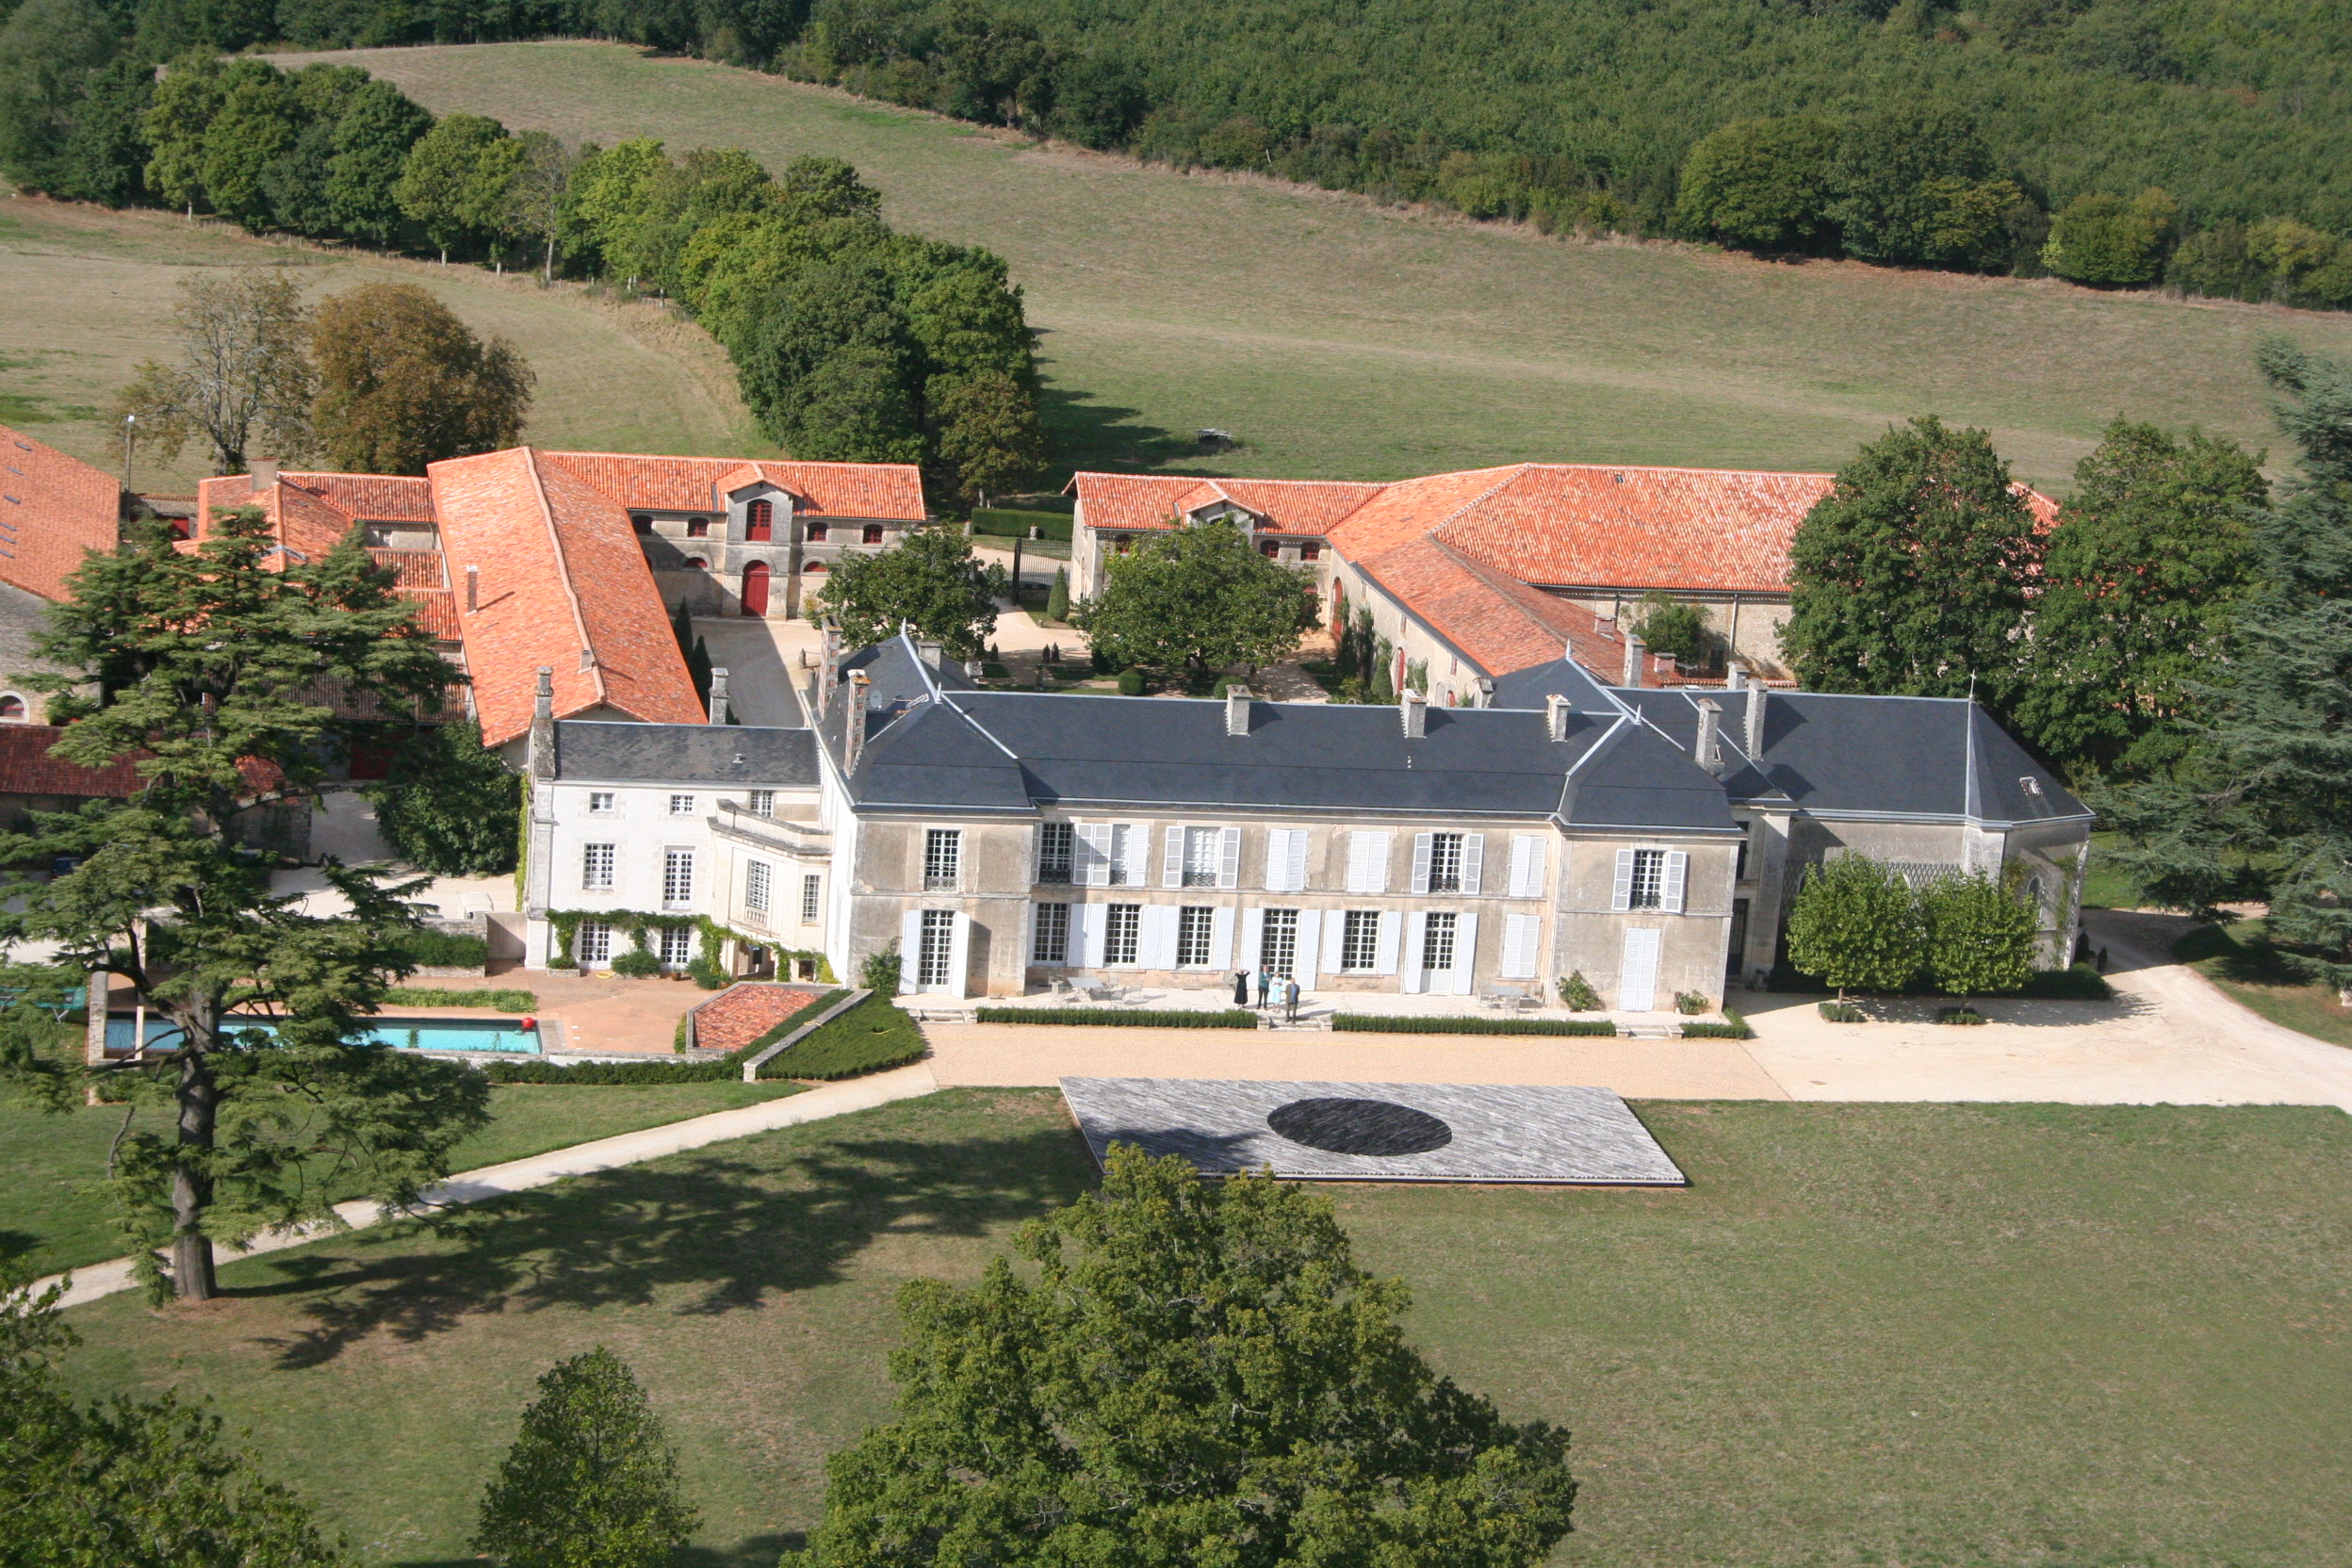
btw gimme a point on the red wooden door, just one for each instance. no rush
(756, 588)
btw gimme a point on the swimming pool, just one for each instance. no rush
(401, 1034)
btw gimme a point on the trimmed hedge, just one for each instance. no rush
(445, 950)
(1228, 1018)
(429, 996)
(2081, 983)
(873, 1036)
(1378, 1023)
(1734, 1027)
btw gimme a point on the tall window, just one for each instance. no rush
(592, 944)
(600, 803)
(1056, 842)
(1437, 941)
(678, 878)
(1444, 862)
(1193, 930)
(809, 900)
(681, 805)
(1310, 552)
(763, 802)
(1278, 942)
(756, 878)
(874, 533)
(817, 532)
(596, 866)
(1050, 944)
(697, 528)
(942, 852)
(1649, 878)
(1122, 926)
(677, 946)
(1360, 940)
(1201, 847)
(936, 949)
(759, 522)
(1122, 854)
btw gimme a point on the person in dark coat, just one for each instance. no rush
(1241, 987)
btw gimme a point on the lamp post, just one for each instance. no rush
(130, 429)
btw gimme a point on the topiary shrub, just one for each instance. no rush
(879, 974)
(1131, 682)
(637, 964)
(1958, 1015)
(1577, 995)
(1841, 1012)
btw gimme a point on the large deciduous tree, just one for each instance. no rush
(403, 382)
(244, 376)
(1854, 923)
(1195, 1372)
(1980, 935)
(1911, 576)
(373, 138)
(1920, 185)
(218, 673)
(1764, 184)
(449, 804)
(2143, 577)
(442, 188)
(1197, 599)
(591, 1481)
(931, 580)
(985, 437)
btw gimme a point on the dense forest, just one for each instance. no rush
(2203, 145)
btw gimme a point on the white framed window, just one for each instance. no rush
(675, 946)
(943, 858)
(808, 885)
(1445, 863)
(1278, 942)
(678, 878)
(595, 867)
(1057, 844)
(1127, 842)
(1202, 856)
(1122, 932)
(1437, 943)
(933, 959)
(600, 803)
(1049, 938)
(592, 944)
(681, 805)
(763, 802)
(1360, 942)
(1649, 879)
(756, 877)
(1196, 934)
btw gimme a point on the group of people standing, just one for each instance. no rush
(1278, 990)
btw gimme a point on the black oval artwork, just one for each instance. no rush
(1360, 1127)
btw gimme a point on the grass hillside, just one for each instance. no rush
(1338, 338)
(85, 293)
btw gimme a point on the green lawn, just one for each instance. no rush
(2239, 959)
(50, 1165)
(1338, 339)
(1868, 1334)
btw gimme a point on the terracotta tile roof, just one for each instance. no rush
(369, 497)
(1496, 622)
(1140, 502)
(27, 769)
(883, 491)
(742, 1013)
(54, 509)
(562, 578)
(413, 568)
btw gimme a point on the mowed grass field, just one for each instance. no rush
(1340, 340)
(1868, 1334)
(84, 294)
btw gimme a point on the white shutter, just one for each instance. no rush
(1172, 859)
(1384, 959)
(1526, 866)
(1296, 870)
(1094, 933)
(1221, 939)
(1520, 935)
(1094, 850)
(1367, 862)
(1276, 878)
(1156, 944)
(1421, 845)
(960, 958)
(1677, 872)
(1465, 951)
(1417, 930)
(1473, 862)
(1136, 857)
(1334, 934)
(1636, 976)
(1228, 859)
(1252, 935)
(1308, 967)
(1037, 857)
(1621, 892)
(910, 949)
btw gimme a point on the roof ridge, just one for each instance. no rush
(563, 571)
(1676, 468)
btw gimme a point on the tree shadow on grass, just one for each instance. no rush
(1087, 433)
(718, 1232)
(757, 1551)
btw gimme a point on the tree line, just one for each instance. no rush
(852, 341)
(2199, 146)
(2174, 641)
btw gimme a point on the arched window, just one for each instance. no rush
(696, 563)
(874, 533)
(756, 588)
(759, 522)
(815, 569)
(11, 709)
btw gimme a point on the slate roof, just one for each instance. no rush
(617, 752)
(54, 509)
(898, 676)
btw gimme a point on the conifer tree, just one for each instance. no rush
(591, 1482)
(1057, 598)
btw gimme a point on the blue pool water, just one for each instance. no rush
(422, 1034)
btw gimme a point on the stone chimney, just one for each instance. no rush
(1735, 676)
(473, 588)
(542, 762)
(264, 473)
(1486, 691)
(1237, 700)
(1708, 753)
(929, 649)
(828, 667)
(718, 694)
(1415, 709)
(854, 721)
(1556, 711)
(1635, 650)
(1753, 742)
